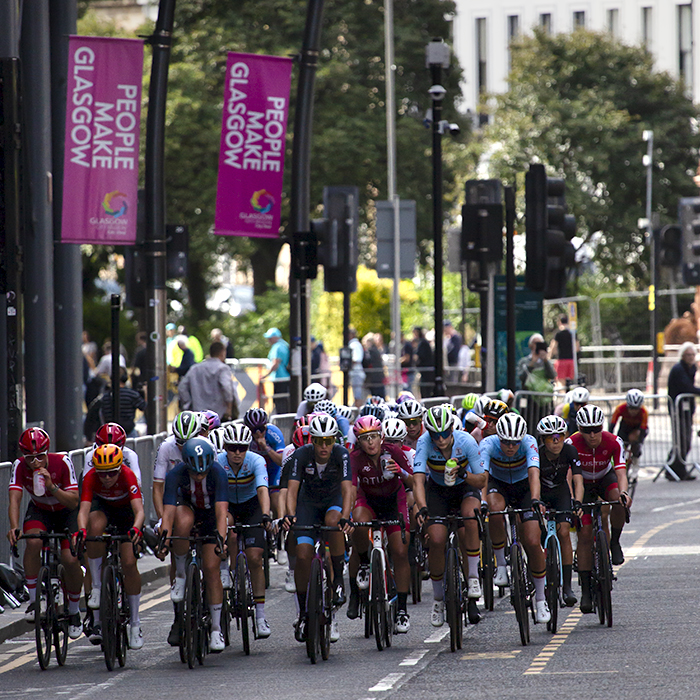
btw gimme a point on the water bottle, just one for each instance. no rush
(386, 472)
(39, 484)
(451, 468)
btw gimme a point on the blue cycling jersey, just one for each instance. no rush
(508, 469)
(275, 439)
(430, 461)
(199, 494)
(251, 476)
(343, 424)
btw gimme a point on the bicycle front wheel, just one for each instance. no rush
(327, 618)
(314, 611)
(60, 625)
(244, 600)
(518, 592)
(109, 613)
(553, 569)
(488, 568)
(604, 579)
(377, 601)
(123, 616)
(453, 598)
(190, 614)
(43, 617)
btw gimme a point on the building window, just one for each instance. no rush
(685, 44)
(579, 20)
(481, 54)
(546, 22)
(513, 34)
(613, 17)
(646, 27)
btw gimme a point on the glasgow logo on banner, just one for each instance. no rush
(253, 132)
(101, 161)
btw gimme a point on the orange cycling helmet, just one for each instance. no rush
(107, 458)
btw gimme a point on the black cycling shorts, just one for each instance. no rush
(204, 520)
(51, 521)
(516, 495)
(249, 513)
(120, 517)
(314, 513)
(447, 500)
(558, 498)
(600, 488)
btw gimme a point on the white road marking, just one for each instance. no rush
(661, 551)
(437, 636)
(413, 659)
(387, 683)
(674, 505)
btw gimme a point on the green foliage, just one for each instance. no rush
(97, 320)
(579, 103)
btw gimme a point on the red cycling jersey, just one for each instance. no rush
(622, 412)
(607, 456)
(124, 489)
(369, 478)
(62, 474)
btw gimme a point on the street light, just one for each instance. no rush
(437, 57)
(647, 161)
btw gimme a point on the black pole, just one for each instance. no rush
(346, 342)
(436, 74)
(116, 303)
(156, 295)
(510, 286)
(68, 266)
(300, 191)
(483, 350)
(654, 313)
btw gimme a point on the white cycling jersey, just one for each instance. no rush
(131, 459)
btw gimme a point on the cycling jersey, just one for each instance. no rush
(508, 469)
(62, 473)
(167, 457)
(124, 490)
(199, 494)
(369, 478)
(275, 439)
(430, 461)
(244, 485)
(319, 482)
(629, 422)
(131, 460)
(414, 443)
(596, 464)
(553, 471)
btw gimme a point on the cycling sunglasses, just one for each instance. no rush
(236, 448)
(323, 441)
(510, 443)
(443, 434)
(592, 430)
(369, 437)
(555, 437)
(35, 458)
(412, 421)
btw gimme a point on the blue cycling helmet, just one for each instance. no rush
(198, 454)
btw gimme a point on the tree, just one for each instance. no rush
(578, 103)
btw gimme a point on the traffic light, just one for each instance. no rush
(305, 251)
(338, 244)
(689, 216)
(549, 230)
(670, 240)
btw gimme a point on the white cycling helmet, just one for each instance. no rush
(394, 429)
(506, 395)
(580, 395)
(511, 427)
(216, 438)
(634, 398)
(410, 408)
(344, 412)
(589, 416)
(552, 425)
(315, 392)
(323, 425)
(237, 434)
(457, 423)
(480, 405)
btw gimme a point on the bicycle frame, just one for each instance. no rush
(243, 587)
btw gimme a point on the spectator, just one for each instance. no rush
(129, 402)
(89, 348)
(187, 360)
(562, 346)
(357, 373)
(452, 344)
(408, 372)
(373, 366)
(535, 373)
(138, 367)
(194, 345)
(209, 385)
(681, 380)
(104, 366)
(217, 335)
(425, 361)
(171, 344)
(279, 369)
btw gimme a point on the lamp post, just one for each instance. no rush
(437, 57)
(647, 160)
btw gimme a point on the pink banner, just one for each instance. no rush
(251, 160)
(101, 162)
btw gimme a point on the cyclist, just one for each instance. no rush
(249, 504)
(268, 441)
(578, 397)
(113, 434)
(313, 393)
(111, 495)
(367, 409)
(559, 467)
(512, 461)
(468, 402)
(196, 495)
(49, 479)
(327, 406)
(604, 476)
(382, 497)
(320, 492)
(347, 413)
(212, 418)
(411, 413)
(436, 499)
(634, 419)
(492, 411)
(474, 418)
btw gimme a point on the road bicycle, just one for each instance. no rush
(51, 616)
(632, 465)
(487, 561)
(553, 568)
(379, 602)
(418, 559)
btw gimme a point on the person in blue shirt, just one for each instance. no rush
(512, 461)
(196, 494)
(279, 362)
(435, 498)
(249, 504)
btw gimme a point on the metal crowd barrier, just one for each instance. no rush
(687, 425)
(285, 422)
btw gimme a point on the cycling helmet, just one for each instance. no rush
(634, 398)
(326, 406)
(187, 425)
(405, 396)
(457, 423)
(344, 412)
(323, 426)
(107, 458)
(511, 426)
(315, 392)
(366, 424)
(506, 395)
(469, 400)
(372, 410)
(410, 409)
(216, 437)
(438, 419)
(376, 400)
(110, 434)
(34, 441)
(589, 416)
(256, 419)
(580, 394)
(212, 418)
(394, 429)
(552, 425)
(198, 454)
(301, 436)
(450, 407)
(237, 434)
(480, 404)
(302, 420)
(494, 409)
